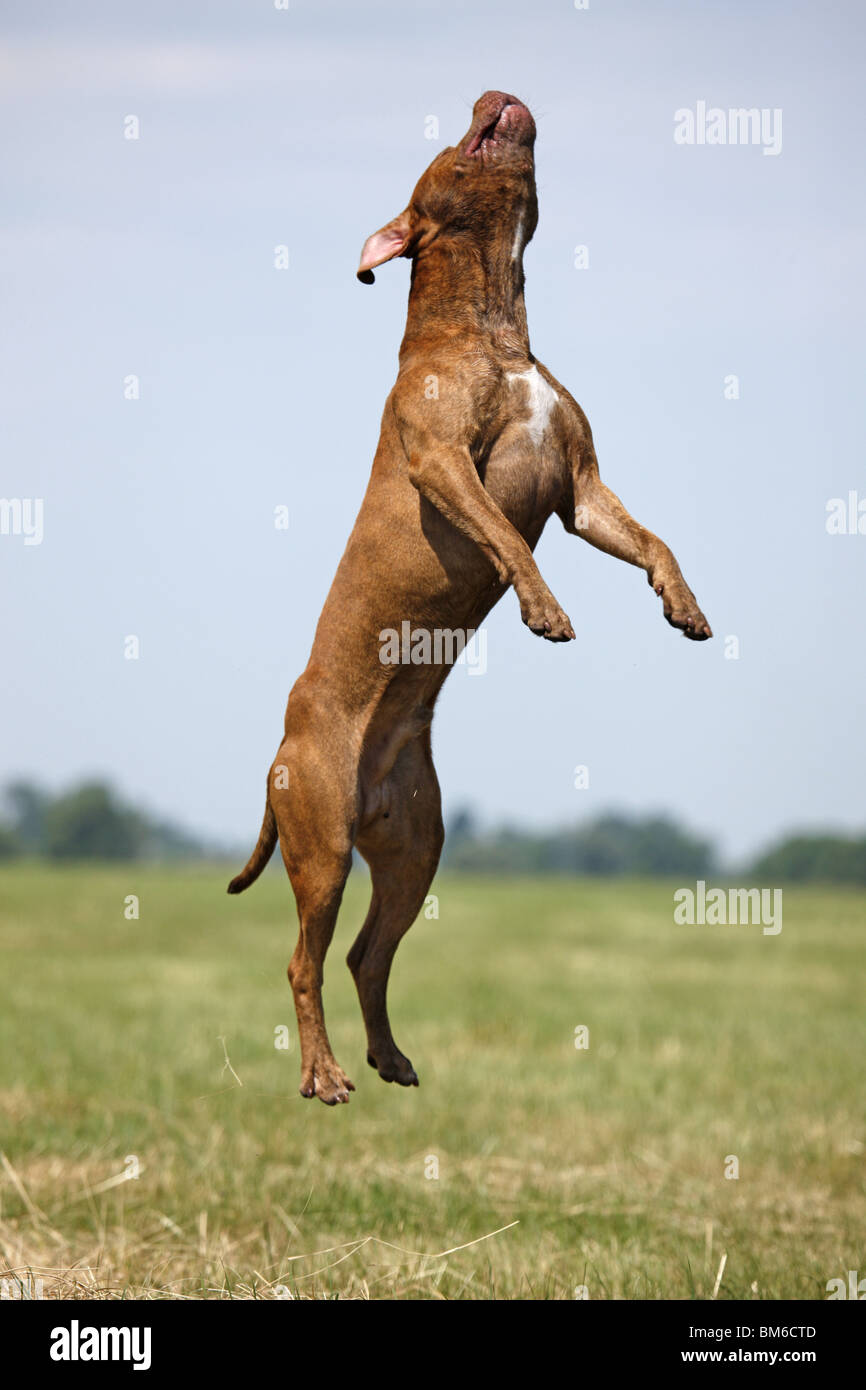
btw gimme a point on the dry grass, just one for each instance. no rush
(556, 1168)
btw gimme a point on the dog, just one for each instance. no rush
(480, 445)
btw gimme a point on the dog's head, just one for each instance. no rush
(480, 188)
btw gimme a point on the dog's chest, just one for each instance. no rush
(531, 392)
(523, 471)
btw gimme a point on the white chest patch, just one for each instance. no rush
(517, 244)
(542, 399)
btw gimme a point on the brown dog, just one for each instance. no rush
(480, 445)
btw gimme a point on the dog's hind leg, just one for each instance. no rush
(313, 793)
(318, 889)
(402, 847)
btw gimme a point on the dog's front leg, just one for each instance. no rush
(600, 518)
(447, 477)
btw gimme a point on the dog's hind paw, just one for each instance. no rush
(394, 1067)
(328, 1081)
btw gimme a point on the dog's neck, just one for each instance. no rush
(474, 288)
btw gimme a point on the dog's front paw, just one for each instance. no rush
(545, 618)
(681, 608)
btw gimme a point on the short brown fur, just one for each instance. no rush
(472, 461)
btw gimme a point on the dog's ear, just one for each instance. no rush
(391, 240)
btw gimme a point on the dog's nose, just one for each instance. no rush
(498, 100)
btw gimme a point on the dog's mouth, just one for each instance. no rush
(504, 121)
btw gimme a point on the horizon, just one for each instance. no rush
(483, 829)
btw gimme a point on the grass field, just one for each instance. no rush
(704, 1042)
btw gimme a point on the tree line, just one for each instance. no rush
(617, 844)
(91, 821)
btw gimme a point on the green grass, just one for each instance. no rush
(704, 1042)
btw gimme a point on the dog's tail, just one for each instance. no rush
(260, 855)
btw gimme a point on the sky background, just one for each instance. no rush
(262, 387)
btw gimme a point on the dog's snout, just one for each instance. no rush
(498, 118)
(496, 101)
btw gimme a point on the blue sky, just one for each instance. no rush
(262, 387)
